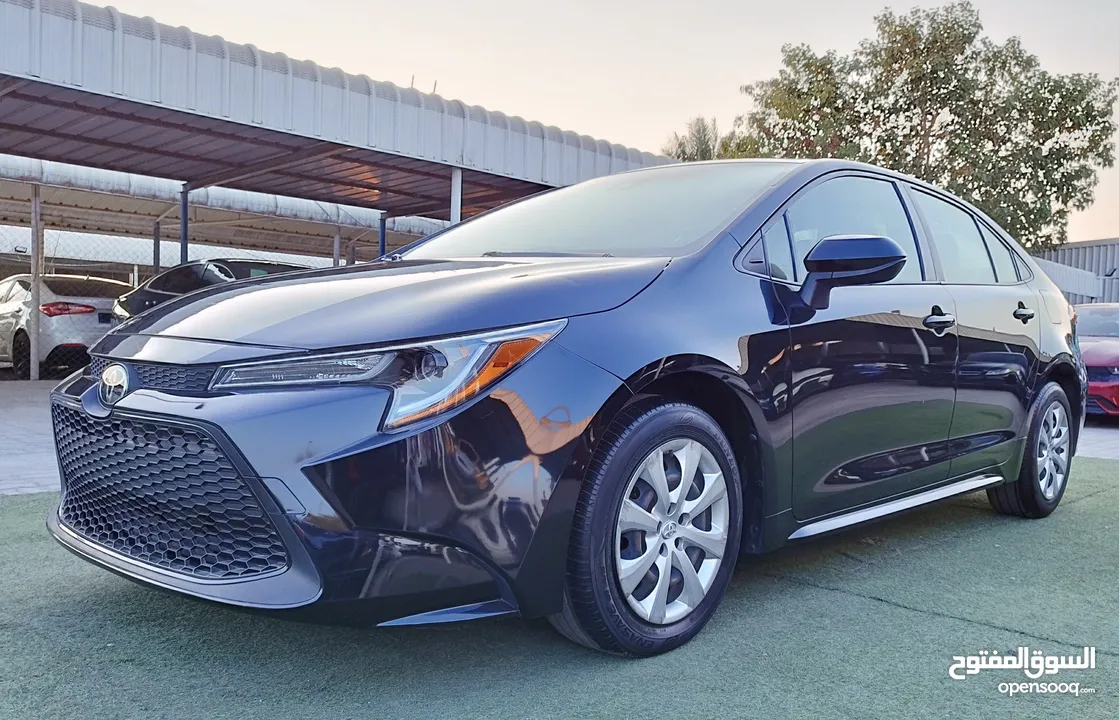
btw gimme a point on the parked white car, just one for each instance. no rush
(74, 312)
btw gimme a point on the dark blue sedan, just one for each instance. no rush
(582, 406)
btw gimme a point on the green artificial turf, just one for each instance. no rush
(859, 625)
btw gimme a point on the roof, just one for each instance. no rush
(91, 86)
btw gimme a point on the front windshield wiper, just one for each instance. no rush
(527, 253)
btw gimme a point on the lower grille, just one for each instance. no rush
(163, 495)
(1100, 405)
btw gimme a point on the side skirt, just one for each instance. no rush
(895, 506)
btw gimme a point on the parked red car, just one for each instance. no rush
(1098, 328)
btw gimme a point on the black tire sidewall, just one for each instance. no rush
(21, 356)
(661, 424)
(1027, 479)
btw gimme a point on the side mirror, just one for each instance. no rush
(848, 260)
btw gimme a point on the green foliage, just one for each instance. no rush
(929, 96)
(700, 141)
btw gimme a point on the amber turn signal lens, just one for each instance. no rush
(501, 360)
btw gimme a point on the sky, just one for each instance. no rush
(627, 71)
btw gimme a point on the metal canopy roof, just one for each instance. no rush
(103, 201)
(90, 86)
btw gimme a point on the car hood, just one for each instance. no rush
(394, 301)
(1099, 351)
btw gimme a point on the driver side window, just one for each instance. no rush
(852, 205)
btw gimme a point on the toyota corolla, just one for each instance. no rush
(582, 406)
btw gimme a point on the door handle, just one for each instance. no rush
(1023, 313)
(939, 321)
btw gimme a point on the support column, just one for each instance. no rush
(155, 247)
(184, 224)
(337, 254)
(36, 278)
(382, 236)
(456, 195)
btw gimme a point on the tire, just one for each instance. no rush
(596, 611)
(1037, 491)
(21, 356)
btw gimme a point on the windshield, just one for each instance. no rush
(1099, 321)
(671, 210)
(85, 287)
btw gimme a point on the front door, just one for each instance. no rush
(999, 331)
(873, 376)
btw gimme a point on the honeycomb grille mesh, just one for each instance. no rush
(173, 378)
(163, 495)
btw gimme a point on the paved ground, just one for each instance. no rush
(27, 462)
(859, 625)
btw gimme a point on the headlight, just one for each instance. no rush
(426, 378)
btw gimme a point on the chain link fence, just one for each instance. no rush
(91, 281)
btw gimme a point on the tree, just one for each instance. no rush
(930, 97)
(700, 141)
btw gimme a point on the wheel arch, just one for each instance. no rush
(1062, 370)
(720, 392)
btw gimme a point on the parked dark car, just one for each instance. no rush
(581, 406)
(192, 276)
(1099, 345)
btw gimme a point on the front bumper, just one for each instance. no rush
(469, 509)
(1103, 398)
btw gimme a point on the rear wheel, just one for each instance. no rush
(21, 356)
(656, 532)
(1047, 461)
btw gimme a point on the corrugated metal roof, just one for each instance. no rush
(1100, 257)
(95, 252)
(1071, 280)
(90, 86)
(103, 201)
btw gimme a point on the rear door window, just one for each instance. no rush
(1001, 256)
(963, 254)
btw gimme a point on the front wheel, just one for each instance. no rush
(1047, 461)
(656, 532)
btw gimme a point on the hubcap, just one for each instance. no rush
(1052, 451)
(671, 531)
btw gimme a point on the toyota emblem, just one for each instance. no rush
(114, 384)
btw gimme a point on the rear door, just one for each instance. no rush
(873, 376)
(997, 315)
